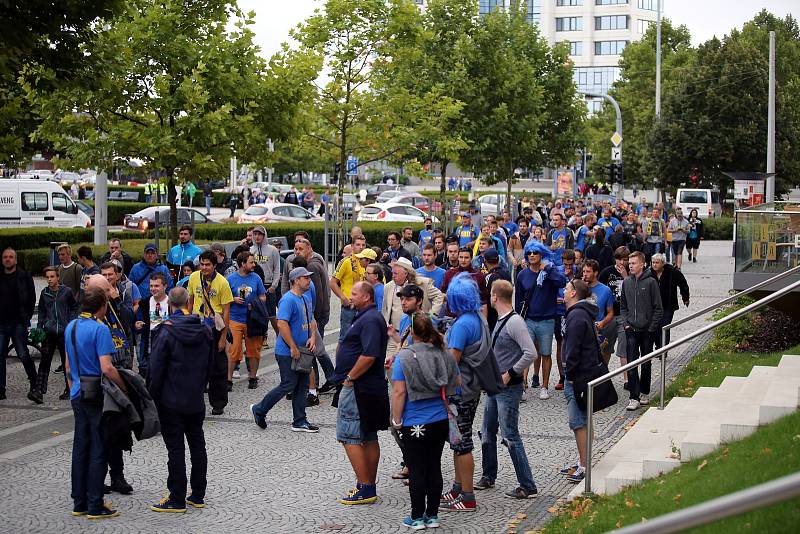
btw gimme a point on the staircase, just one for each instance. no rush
(691, 427)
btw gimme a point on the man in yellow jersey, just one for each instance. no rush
(210, 297)
(349, 271)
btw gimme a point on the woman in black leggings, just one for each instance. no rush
(423, 375)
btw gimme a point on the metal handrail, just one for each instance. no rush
(742, 501)
(659, 352)
(695, 315)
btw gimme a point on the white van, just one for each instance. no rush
(26, 203)
(707, 202)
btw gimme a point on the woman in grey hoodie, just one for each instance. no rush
(423, 375)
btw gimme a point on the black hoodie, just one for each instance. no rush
(581, 351)
(180, 361)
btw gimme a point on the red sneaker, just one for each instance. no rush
(459, 505)
(560, 386)
(449, 497)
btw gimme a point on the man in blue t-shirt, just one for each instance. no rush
(583, 236)
(608, 222)
(466, 233)
(426, 234)
(559, 238)
(246, 286)
(429, 268)
(296, 328)
(604, 299)
(89, 347)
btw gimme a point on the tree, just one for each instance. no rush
(179, 90)
(635, 93)
(715, 120)
(522, 109)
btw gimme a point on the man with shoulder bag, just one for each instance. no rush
(89, 347)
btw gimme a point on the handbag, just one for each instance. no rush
(91, 390)
(453, 433)
(306, 360)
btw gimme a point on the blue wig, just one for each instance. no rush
(536, 246)
(463, 295)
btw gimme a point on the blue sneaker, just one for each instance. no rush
(260, 420)
(431, 522)
(414, 524)
(361, 494)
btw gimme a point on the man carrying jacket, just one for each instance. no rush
(57, 307)
(580, 354)
(183, 348)
(640, 306)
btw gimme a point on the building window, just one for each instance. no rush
(609, 2)
(613, 22)
(595, 79)
(576, 48)
(649, 5)
(609, 48)
(569, 24)
(569, 2)
(489, 6)
(534, 14)
(643, 25)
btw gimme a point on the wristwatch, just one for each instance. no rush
(348, 378)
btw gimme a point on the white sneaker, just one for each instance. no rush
(644, 399)
(544, 394)
(633, 404)
(524, 397)
(236, 374)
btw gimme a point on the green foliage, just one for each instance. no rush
(728, 336)
(718, 228)
(27, 238)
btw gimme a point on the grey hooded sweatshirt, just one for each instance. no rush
(640, 303)
(427, 370)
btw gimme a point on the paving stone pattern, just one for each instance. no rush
(279, 481)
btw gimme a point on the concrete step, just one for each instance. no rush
(783, 395)
(623, 474)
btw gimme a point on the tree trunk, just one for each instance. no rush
(172, 197)
(442, 194)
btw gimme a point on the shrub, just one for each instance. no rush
(728, 336)
(31, 238)
(718, 228)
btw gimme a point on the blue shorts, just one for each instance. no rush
(272, 305)
(541, 333)
(577, 417)
(348, 420)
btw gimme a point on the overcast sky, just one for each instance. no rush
(704, 18)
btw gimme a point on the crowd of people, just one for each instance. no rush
(428, 327)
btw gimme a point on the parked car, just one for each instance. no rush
(270, 187)
(67, 178)
(705, 201)
(388, 212)
(495, 204)
(374, 191)
(38, 203)
(146, 218)
(387, 195)
(85, 208)
(276, 212)
(411, 199)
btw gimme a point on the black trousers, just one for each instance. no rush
(639, 343)
(174, 427)
(49, 346)
(423, 457)
(218, 377)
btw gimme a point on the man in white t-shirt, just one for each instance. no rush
(159, 305)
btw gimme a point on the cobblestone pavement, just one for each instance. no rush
(279, 481)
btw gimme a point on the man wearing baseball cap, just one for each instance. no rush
(466, 232)
(268, 257)
(296, 327)
(140, 276)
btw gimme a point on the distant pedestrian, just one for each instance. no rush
(694, 236)
(670, 280)
(679, 227)
(17, 301)
(69, 272)
(208, 196)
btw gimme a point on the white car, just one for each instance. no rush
(494, 204)
(276, 212)
(387, 212)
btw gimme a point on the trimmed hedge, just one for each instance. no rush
(31, 238)
(718, 228)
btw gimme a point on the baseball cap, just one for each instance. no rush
(367, 253)
(297, 272)
(150, 246)
(491, 255)
(411, 290)
(260, 229)
(467, 215)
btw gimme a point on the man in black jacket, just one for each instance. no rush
(670, 279)
(17, 299)
(180, 362)
(580, 353)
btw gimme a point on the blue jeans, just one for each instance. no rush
(291, 382)
(501, 412)
(89, 457)
(18, 335)
(345, 320)
(208, 205)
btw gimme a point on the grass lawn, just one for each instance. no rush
(773, 451)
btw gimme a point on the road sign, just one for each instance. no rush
(616, 138)
(616, 153)
(352, 166)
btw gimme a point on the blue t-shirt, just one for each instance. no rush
(419, 412)
(437, 275)
(608, 225)
(249, 287)
(512, 227)
(405, 326)
(378, 296)
(466, 234)
(94, 340)
(292, 310)
(135, 293)
(580, 240)
(604, 299)
(425, 237)
(465, 331)
(559, 238)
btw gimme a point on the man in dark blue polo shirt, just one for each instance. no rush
(363, 406)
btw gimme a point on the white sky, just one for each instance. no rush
(704, 18)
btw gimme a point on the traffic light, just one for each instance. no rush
(615, 171)
(337, 169)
